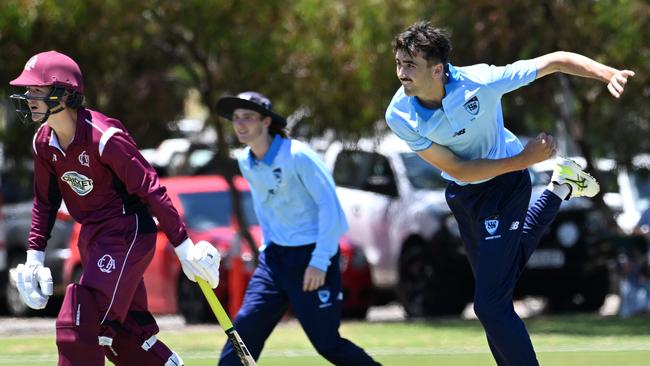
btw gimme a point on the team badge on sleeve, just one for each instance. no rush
(79, 183)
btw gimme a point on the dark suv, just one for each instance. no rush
(570, 265)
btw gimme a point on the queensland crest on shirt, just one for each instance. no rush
(472, 106)
(106, 263)
(79, 183)
(84, 159)
(491, 224)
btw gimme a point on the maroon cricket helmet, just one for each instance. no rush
(51, 68)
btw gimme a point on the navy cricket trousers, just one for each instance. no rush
(500, 234)
(276, 284)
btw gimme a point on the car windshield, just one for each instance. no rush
(421, 174)
(208, 210)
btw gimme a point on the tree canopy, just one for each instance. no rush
(332, 59)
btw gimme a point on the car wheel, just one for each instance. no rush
(425, 291)
(589, 297)
(191, 302)
(594, 291)
(356, 313)
(14, 303)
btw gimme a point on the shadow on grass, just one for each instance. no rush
(582, 324)
(590, 325)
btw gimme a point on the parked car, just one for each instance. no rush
(204, 204)
(17, 217)
(570, 266)
(396, 208)
(626, 190)
(3, 261)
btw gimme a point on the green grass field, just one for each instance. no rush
(567, 340)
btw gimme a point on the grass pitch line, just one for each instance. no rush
(389, 351)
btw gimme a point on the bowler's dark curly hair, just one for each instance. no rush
(432, 43)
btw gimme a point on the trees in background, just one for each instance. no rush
(333, 58)
(331, 62)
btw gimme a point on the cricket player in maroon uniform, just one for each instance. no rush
(90, 161)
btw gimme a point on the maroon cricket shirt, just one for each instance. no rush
(101, 175)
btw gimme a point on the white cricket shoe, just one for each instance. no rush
(582, 184)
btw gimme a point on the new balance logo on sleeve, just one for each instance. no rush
(459, 132)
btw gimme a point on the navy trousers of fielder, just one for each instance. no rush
(500, 234)
(276, 283)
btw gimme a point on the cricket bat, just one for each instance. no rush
(226, 324)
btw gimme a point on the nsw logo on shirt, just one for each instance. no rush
(277, 174)
(472, 106)
(79, 183)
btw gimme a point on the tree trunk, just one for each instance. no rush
(229, 171)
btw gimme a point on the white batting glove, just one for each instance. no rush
(33, 280)
(200, 260)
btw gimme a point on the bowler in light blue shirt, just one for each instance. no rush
(470, 121)
(451, 116)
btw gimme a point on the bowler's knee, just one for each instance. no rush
(327, 348)
(489, 312)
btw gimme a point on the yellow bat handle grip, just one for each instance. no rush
(216, 306)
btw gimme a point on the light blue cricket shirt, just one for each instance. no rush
(295, 199)
(470, 121)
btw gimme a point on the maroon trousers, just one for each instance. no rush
(107, 313)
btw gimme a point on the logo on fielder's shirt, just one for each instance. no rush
(106, 263)
(277, 173)
(79, 183)
(514, 225)
(84, 159)
(324, 297)
(472, 106)
(53, 157)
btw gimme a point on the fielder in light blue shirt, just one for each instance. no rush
(302, 221)
(295, 199)
(451, 116)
